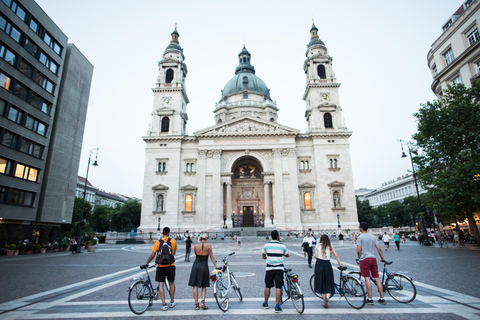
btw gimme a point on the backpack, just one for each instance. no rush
(164, 254)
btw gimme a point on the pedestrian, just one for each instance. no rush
(274, 251)
(324, 282)
(403, 238)
(367, 243)
(386, 241)
(340, 238)
(166, 269)
(309, 243)
(200, 275)
(397, 240)
(239, 239)
(73, 244)
(188, 247)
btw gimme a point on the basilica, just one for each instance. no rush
(248, 170)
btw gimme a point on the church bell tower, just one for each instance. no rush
(169, 116)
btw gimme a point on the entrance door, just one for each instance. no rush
(248, 216)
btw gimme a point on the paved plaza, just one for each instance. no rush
(94, 285)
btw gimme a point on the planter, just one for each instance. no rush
(10, 252)
(55, 249)
(28, 252)
(91, 249)
(65, 249)
(16, 252)
(43, 250)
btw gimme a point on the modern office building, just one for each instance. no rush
(248, 170)
(393, 190)
(455, 56)
(45, 85)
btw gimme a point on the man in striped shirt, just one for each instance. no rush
(274, 251)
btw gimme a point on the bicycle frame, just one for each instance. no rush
(289, 278)
(223, 276)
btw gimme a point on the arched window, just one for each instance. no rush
(188, 202)
(160, 202)
(331, 163)
(164, 166)
(334, 163)
(159, 166)
(188, 168)
(327, 119)
(321, 71)
(307, 200)
(272, 119)
(192, 167)
(306, 165)
(302, 165)
(165, 124)
(169, 76)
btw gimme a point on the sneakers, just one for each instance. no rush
(370, 301)
(265, 305)
(310, 266)
(382, 301)
(278, 309)
(173, 304)
(164, 308)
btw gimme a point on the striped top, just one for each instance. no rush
(275, 250)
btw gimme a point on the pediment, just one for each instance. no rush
(165, 110)
(336, 184)
(246, 126)
(327, 104)
(306, 185)
(188, 187)
(159, 187)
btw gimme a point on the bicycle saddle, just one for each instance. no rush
(342, 268)
(288, 270)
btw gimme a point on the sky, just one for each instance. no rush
(379, 51)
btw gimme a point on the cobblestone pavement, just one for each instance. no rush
(94, 285)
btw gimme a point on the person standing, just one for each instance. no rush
(188, 247)
(397, 240)
(386, 241)
(324, 282)
(200, 275)
(274, 251)
(366, 245)
(165, 270)
(310, 240)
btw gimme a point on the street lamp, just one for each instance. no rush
(95, 164)
(424, 229)
(158, 226)
(338, 218)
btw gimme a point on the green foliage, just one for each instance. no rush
(18, 235)
(125, 214)
(36, 248)
(100, 218)
(12, 246)
(365, 212)
(29, 246)
(3, 236)
(101, 239)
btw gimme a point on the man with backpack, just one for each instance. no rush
(164, 250)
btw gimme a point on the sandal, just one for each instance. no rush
(197, 307)
(204, 307)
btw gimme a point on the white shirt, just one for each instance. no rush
(310, 240)
(386, 238)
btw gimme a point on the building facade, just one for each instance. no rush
(97, 197)
(248, 170)
(455, 56)
(45, 85)
(393, 190)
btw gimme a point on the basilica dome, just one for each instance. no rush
(245, 78)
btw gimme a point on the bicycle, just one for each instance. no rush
(349, 287)
(291, 289)
(223, 282)
(394, 283)
(142, 293)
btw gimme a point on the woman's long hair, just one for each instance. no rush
(325, 242)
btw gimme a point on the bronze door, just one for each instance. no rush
(248, 216)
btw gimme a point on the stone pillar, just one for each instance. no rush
(229, 205)
(266, 191)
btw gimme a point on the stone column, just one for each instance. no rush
(229, 205)
(266, 191)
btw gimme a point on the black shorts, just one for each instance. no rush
(165, 272)
(274, 277)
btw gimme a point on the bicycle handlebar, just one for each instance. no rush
(385, 262)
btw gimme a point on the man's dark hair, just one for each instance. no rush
(364, 226)
(274, 235)
(166, 231)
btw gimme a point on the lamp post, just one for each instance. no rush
(338, 218)
(95, 164)
(158, 226)
(424, 229)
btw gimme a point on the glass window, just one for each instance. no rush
(39, 103)
(25, 68)
(5, 166)
(477, 65)
(308, 200)
(5, 81)
(7, 55)
(3, 106)
(28, 199)
(457, 80)
(327, 118)
(188, 202)
(53, 67)
(47, 38)
(20, 91)
(21, 13)
(15, 115)
(9, 140)
(473, 35)
(31, 47)
(3, 23)
(20, 171)
(16, 196)
(15, 34)
(448, 57)
(7, 2)
(34, 25)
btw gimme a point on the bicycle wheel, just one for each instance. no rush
(235, 287)
(354, 293)
(401, 288)
(139, 297)
(297, 297)
(356, 274)
(221, 295)
(312, 286)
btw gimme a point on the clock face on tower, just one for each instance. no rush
(167, 101)
(325, 96)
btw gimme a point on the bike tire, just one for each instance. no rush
(220, 295)
(356, 274)
(312, 287)
(139, 297)
(296, 296)
(235, 287)
(401, 288)
(354, 292)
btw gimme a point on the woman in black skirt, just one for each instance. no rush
(324, 283)
(200, 276)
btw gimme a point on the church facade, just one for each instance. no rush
(248, 170)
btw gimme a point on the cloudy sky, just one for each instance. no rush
(379, 51)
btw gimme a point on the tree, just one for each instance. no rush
(128, 212)
(100, 218)
(365, 212)
(447, 153)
